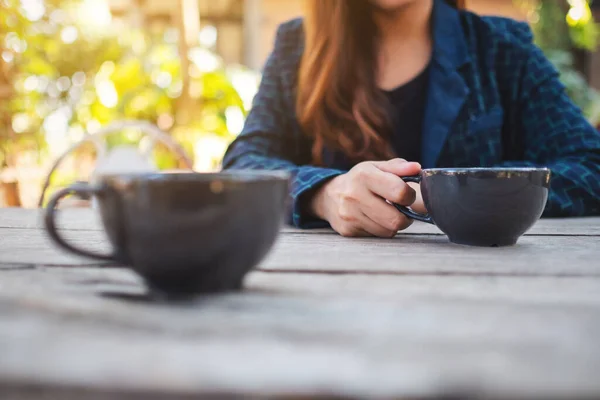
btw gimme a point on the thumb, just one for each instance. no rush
(399, 167)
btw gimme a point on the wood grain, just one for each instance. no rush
(33, 246)
(323, 316)
(87, 219)
(421, 336)
(532, 256)
(71, 219)
(325, 253)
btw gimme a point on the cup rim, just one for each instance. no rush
(225, 176)
(506, 171)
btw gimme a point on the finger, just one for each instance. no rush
(376, 229)
(362, 233)
(399, 167)
(390, 187)
(352, 231)
(385, 215)
(357, 224)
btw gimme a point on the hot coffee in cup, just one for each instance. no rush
(185, 233)
(482, 206)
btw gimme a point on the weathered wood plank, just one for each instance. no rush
(33, 246)
(416, 337)
(410, 316)
(72, 219)
(406, 254)
(86, 219)
(544, 227)
(545, 290)
(532, 256)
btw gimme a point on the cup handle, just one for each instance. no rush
(407, 211)
(50, 219)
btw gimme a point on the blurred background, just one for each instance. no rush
(69, 68)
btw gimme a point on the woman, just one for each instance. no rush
(360, 86)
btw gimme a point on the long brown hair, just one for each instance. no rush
(339, 104)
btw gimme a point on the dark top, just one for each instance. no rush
(493, 100)
(407, 113)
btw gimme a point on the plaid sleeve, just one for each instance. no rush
(268, 141)
(556, 135)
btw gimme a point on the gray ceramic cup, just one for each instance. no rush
(482, 206)
(185, 233)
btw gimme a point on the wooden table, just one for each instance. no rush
(323, 316)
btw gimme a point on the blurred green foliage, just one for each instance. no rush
(561, 28)
(71, 77)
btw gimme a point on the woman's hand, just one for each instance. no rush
(355, 204)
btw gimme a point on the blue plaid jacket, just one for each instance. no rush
(494, 100)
